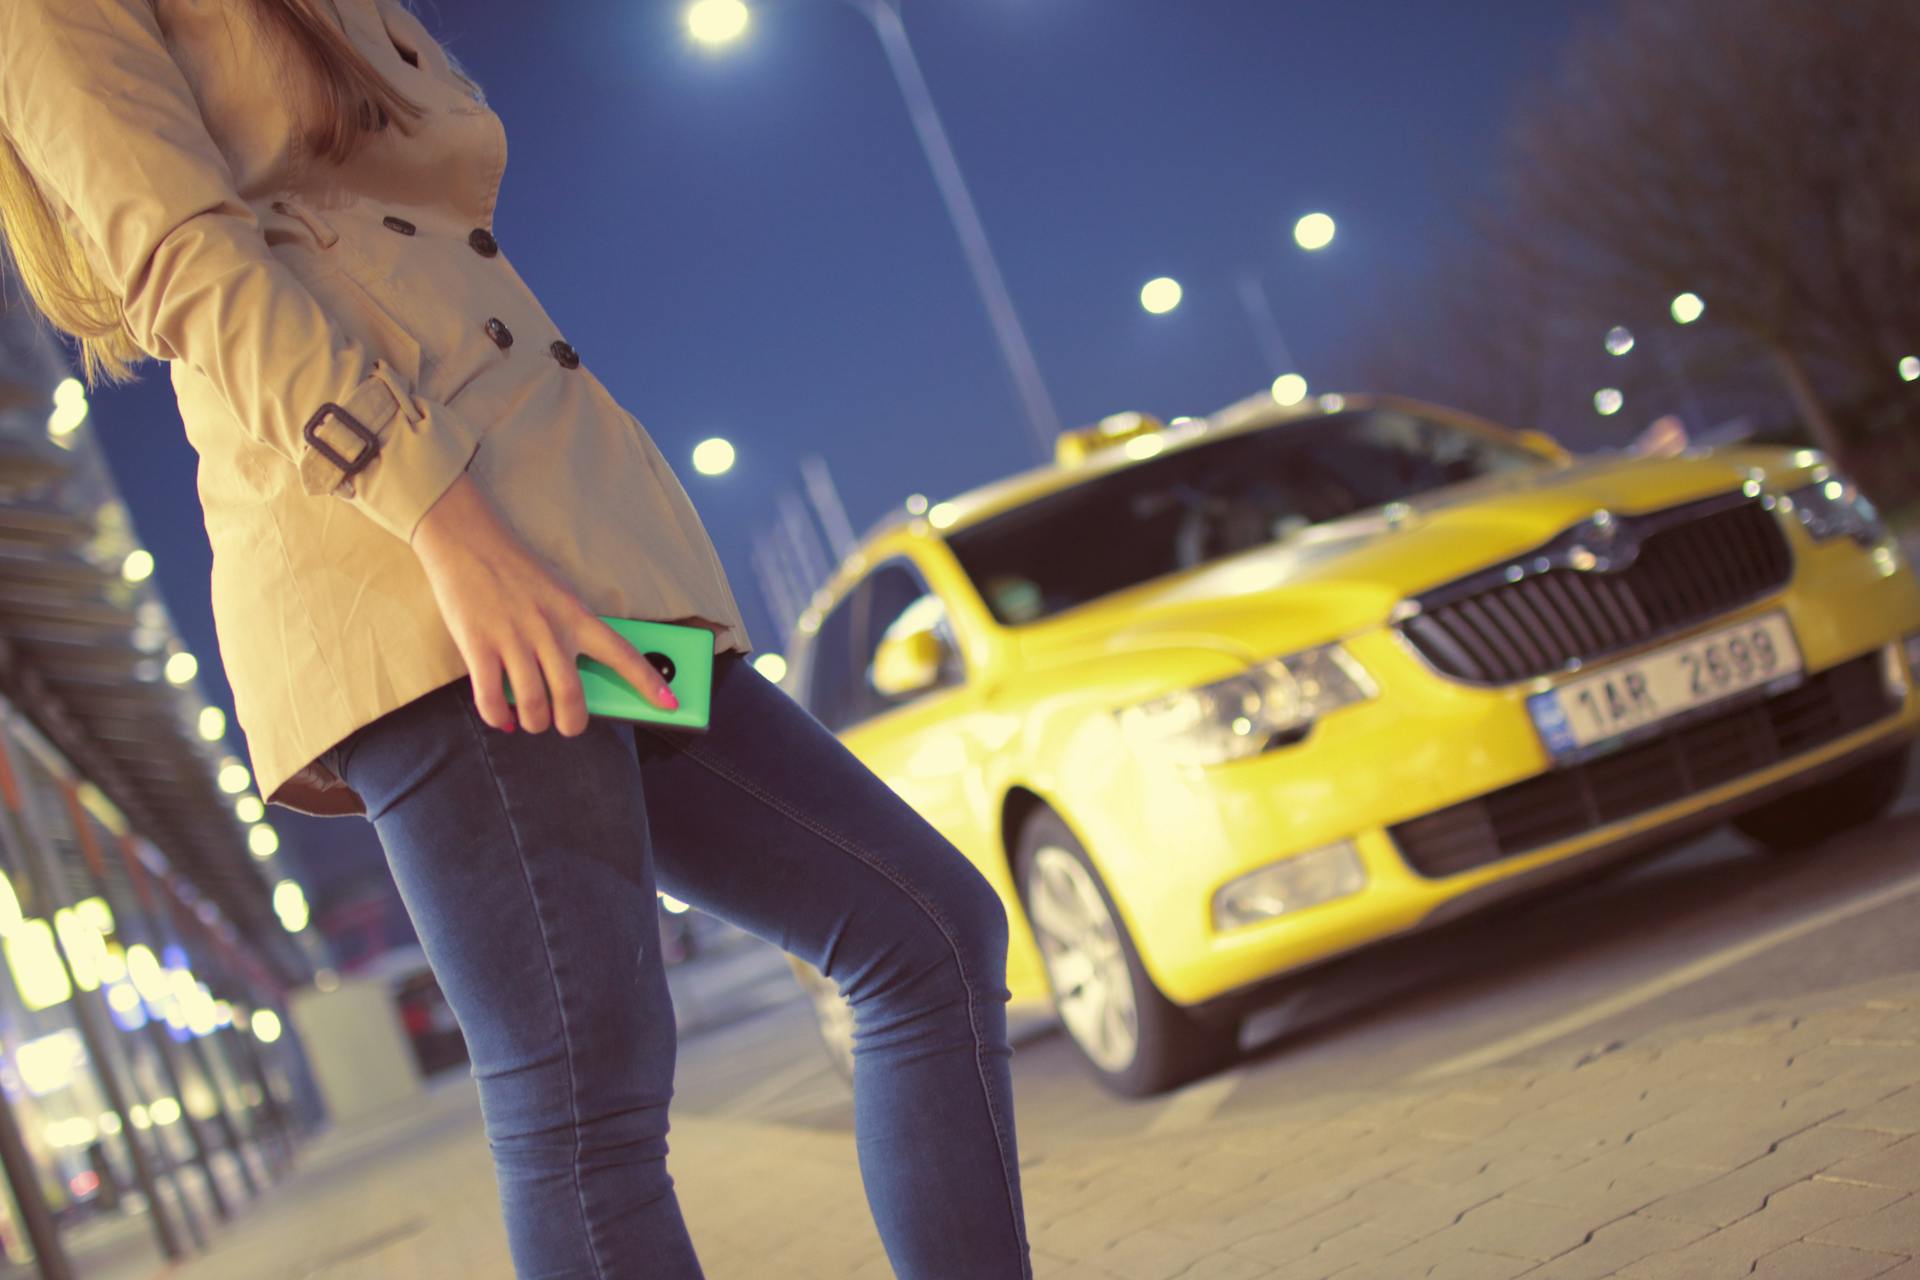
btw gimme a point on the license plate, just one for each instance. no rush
(1629, 696)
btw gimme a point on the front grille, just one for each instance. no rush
(1692, 758)
(1541, 614)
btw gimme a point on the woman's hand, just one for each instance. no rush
(507, 611)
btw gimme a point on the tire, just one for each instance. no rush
(832, 1016)
(1135, 1041)
(1802, 819)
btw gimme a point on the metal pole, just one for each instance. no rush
(137, 875)
(787, 556)
(275, 1113)
(1014, 347)
(827, 504)
(1266, 330)
(21, 832)
(162, 1042)
(42, 1233)
(773, 589)
(806, 538)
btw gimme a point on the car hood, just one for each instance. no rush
(1346, 576)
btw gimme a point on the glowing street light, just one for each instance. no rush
(1910, 368)
(1687, 308)
(1161, 295)
(1608, 401)
(1619, 340)
(713, 456)
(1289, 389)
(1314, 231)
(213, 724)
(138, 566)
(718, 22)
(182, 667)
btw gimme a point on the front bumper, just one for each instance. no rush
(1453, 804)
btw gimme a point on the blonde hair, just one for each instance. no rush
(341, 99)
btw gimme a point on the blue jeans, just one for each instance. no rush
(528, 863)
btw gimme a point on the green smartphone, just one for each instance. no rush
(684, 655)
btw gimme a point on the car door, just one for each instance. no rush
(929, 746)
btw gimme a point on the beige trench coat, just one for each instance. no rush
(276, 284)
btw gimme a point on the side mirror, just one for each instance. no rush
(1542, 443)
(908, 662)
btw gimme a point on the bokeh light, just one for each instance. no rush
(716, 22)
(1289, 389)
(1687, 308)
(713, 456)
(1608, 401)
(1315, 231)
(1161, 295)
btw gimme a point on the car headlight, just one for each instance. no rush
(1833, 507)
(1243, 714)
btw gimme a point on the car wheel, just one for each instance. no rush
(1803, 818)
(832, 1016)
(1136, 1041)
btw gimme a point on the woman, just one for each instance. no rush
(415, 488)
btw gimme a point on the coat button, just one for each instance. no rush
(566, 355)
(483, 242)
(501, 335)
(401, 225)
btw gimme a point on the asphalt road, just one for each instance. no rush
(1713, 925)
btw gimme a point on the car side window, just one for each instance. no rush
(831, 672)
(898, 600)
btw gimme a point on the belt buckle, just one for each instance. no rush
(347, 466)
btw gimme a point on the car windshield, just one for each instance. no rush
(1197, 504)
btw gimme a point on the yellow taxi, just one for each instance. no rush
(1213, 702)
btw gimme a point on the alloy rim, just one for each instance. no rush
(1080, 945)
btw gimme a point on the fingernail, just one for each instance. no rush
(673, 703)
(508, 727)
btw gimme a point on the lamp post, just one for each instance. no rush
(718, 22)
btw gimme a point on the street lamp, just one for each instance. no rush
(720, 22)
(1313, 232)
(713, 456)
(1160, 296)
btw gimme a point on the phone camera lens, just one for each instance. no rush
(664, 664)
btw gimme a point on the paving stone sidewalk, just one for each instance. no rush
(1775, 1141)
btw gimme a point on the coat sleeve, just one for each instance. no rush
(105, 121)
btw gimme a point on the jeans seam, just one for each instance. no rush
(559, 1002)
(866, 856)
